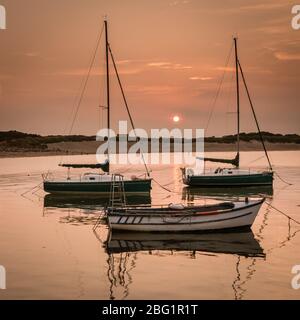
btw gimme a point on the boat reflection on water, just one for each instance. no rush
(83, 210)
(190, 194)
(123, 249)
(242, 243)
(92, 202)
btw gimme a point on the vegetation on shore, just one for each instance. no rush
(254, 136)
(19, 141)
(14, 141)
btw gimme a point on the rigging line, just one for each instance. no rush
(286, 215)
(254, 115)
(168, 184)
(255, 160)
(126, 105)
(31, 189)
(288, 238)
(219, 88)
(82, 88)
(160, 185)
(278, 176)
(86, 79)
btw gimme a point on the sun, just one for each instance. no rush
(176, 118)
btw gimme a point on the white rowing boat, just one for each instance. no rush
(179, 218)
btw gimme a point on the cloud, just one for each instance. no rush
(124, 61)
(29, 54)
(258, 7)
(32, 54)
(82, 72)
(75, 72)
(179, 2)
(158, 64)
(179, 66)
(264, 6)
(257, 70)
(285, 56)
(125, 67)
(169, 65)
(153, 90)
(230, 69)
(274, 29)
(201, 78)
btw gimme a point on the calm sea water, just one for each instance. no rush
(49, 250)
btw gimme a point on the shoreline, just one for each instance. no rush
(90, 147)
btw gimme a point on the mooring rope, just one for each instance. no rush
(278, 176)
(286, 215)
(31, 189)
(163, 187)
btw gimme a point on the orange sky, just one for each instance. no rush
(170, 55)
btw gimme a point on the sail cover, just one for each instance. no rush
(235, 162)
(103, 166)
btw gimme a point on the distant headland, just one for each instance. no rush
(20, 144)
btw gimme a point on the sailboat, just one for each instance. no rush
(232, 177)
(100, 183)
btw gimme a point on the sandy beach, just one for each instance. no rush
(90, 147)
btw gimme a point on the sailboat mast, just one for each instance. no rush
(237, 97)
(107, 74)
(107, 80)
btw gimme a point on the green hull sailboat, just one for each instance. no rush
(232, 177)
(229, 178)
(100, 183)
(89, 185)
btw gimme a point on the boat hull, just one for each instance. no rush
(140, 186)
(237, 217)
(237, 180)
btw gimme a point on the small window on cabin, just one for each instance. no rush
(92, 178)
(230, 172)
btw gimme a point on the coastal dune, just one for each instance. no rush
(90, 147)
